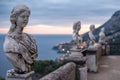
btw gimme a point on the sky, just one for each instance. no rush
(58, 16)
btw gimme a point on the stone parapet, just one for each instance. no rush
(80, 60)
(66, 72)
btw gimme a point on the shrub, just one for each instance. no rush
(46, 66)
(2, 78)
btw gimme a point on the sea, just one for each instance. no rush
(45, 44)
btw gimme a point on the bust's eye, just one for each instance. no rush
(23, 16)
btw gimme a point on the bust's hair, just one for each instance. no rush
(16, 11)
(76, 25)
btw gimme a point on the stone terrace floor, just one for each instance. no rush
(109, 69)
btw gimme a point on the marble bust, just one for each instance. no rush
(102, 36)
(76, 37)
(20, 48)
(91, 35)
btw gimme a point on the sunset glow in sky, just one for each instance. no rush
(58, 16)
(44, 29)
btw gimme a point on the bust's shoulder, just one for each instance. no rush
(27, 35)
(10, 44)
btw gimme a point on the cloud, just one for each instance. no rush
(62, 12)
(57, 1)
(46, 29)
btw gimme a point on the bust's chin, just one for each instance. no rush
(24, 25)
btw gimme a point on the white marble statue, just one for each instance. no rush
(102, 36)
(20, 48)
(91, 35)
(76, 37)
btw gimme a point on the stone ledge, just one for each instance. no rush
(66, 72)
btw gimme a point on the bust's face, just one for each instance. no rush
(79, 26)
(22, 19)
(92, 27)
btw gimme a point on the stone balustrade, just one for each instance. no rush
(77, 64)
(66, 72)
(80, 60)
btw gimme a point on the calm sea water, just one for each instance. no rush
(45, 44)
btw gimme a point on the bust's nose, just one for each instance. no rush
(26, 18)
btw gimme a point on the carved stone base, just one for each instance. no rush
(14, 76)
(83, 72)
(92, 63)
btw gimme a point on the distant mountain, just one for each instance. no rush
(112, 32)
(112, 27)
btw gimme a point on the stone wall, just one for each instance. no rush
(66, 72)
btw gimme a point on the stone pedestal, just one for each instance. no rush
(92, 63)
(83, 72)
(107, 49)
(77, 57)
(93, 55)
(14, 76)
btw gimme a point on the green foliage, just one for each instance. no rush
(2, 78)
(46, 66)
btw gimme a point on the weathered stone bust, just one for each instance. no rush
(20, 48)
(91, 35)
(102, 36)
(76, 37)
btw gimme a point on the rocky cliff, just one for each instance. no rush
(112, 31)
